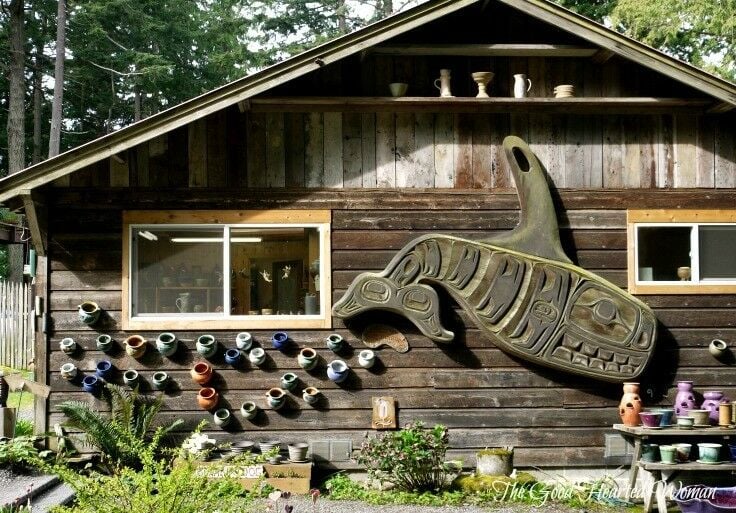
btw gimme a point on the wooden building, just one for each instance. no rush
(311, 165)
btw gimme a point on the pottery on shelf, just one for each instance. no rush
(167, 344)
(334, 342)
(104, 369)
(232, 356)
(725, 412)
(709, 452)
(311, 304)
(398, 89)
(630, 405)
(443, 83)
(276, 398)
(289, 381)
(650, 419)
(207, 398)
(89, 312)
(482, 78)
(201, 373)
(717, 348)
(685, 422)
(713, 399)
(104, 343)
(298, 452)
(68, 345)
(684, 400)
(207, 346)
(160, 380)
(338, 371)
(249, 410)
(310, 395)
(682, 451)
(564, 91)
(222, 417)
(91, 384)
(522, 85)
(243, 340)
(69, 371)
(732, 450)
(135, 346)
(650, 453)
(700, 417)
(684, 273)
(280, 340)
(307, 358)
(366, 358)
(257, 356)
(130, 378)
(667, 453)
(667, 416)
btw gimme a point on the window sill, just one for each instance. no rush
(694, 288)
(267, 322)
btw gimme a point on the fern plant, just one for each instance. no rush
(122, 435)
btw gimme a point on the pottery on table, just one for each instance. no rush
(630, 405)
(289, 381)
(249, 410)
(232, 357)
(135, 346)
(89, 312)
(104, 343)
(482, 79)
(68, 345)
(160, 380)
(207, 398)
(685, 422)
(713, 399)
(667, 454)
(650, 419)
(130, 378)
(338, 371)
(104, 369)
(701, 417)
(243, 340)
(366, 358)
(334, 342)
(69, 371)
(650, 452)
(725, 412)
(222, 417)
(167, 344)
(307, 358)
(280, 340)
(201, 373)
(684, 400)
(310, 395)
(91, 384)
(667, 416)
(276, 398)
(298, 452)
(207, 346)
(717, 347)
(683, 452)
(257, 356)
(709, 452)
(242, 446)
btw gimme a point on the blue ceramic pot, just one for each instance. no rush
(104, 369)
(91, 384)
(232, 356)
(280, 340)
(338, 371)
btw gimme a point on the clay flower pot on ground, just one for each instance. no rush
(130, 378)
(201, 373)
(207, 346)
(298, 452)
(243, 340)
(276, 398)
(338, 371)
(249, 410)
(135, 346)
(307, 358)
(89, 312)
(104, 343)
(167, 344)
(207, 398)
(104, 369)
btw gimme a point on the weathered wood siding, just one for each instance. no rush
(483, 395)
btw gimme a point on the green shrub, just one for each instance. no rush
(23, 427)
(412, 459)
(20, 452)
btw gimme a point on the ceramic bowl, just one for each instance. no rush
(650, 419)
(667, 416)
(650, 453)
(685, 422)
(709, 452)
(701, 417)
(683, 452)
(667, 454)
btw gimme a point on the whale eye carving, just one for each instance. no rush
(605, 311)
(376, 291)
(417, 300)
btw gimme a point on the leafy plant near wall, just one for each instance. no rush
(21, 452)
(120, 436)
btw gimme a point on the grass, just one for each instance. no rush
(22, 401)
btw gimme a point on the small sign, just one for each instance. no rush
(384, 413)
(231, 471)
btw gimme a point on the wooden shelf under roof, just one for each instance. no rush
(485, 50)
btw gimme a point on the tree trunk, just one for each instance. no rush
(57, 105)
(341, 12)
(37, 103)
(388, 7)
(136, 103)
(16, 110)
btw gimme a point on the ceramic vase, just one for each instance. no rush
(307, 358)
(288, 381)
(334, 342)
(684, 400)
(232, 357)
(91, 384)
(104, 369)
(207, 346)
(310, 304)
(167, 344)
(717, 348)
(201, 373)
(482, 78)
(338, 371)
(276, 398)
(713, 399)
(135, 346)
(160, 380)
(68, 345)
(257, 356)
(249, 410)
(130, 378)
(69, 371)
(207, 398)
(89, 312)
(310, 395)
(630, 405)
(298, 452)
(104, 343)
(366, 358)
(280, 340)
(243, 340)
(222, 417)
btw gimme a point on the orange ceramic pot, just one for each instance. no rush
(630, 405)
(201, 373)
(207, 398)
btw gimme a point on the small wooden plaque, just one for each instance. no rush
(384, 413)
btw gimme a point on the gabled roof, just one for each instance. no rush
(340, 48)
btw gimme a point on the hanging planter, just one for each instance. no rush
(167, 344)
(135, 346)
(104, 370)
(243, 340)
(201, 373)
(89, 312)
(104, 343)
(207, 346)
(280, 340)
(207, 398)
(307, 358)
(130, 378)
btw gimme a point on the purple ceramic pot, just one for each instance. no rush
(684, 400)
(650, 419)
(713, 399)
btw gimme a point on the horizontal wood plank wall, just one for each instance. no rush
(486, 397)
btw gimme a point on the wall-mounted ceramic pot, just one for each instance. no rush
(69, 371)
(68, 345)
(249, 410)
(207, 346)
(104, 343)
(89, 312)
(276, 398)
(130, 378)
(167, 344)
(243, 340)
(222, 417)
(366, 358)
(338, 371)
(280, 340)
(334, 342)
(310, 395)
(91, 384)
(160, 380)
(307, 358)
(232, 357)
(104, 369)
(201, 373)
(135, 346)
(207, 398)
(257, 356)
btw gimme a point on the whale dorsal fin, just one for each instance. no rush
(537, 232)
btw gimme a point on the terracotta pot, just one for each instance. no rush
(207, 398)
(630, 405)
(201, 373)
(135, 346)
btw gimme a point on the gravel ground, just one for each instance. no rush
(14, 485)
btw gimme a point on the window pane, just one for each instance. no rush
(717, 252)
(274, 271)
(661, 251)
(177, 270)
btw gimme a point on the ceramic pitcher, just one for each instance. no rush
(444, 83)
(182, 302)
(522, 85)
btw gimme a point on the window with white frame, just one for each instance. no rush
(254, 269)
(682, 251)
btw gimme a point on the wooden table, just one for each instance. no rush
(640, 434)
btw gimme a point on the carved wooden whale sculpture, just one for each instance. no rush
(519, 288)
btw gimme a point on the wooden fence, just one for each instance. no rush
(16, 332)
